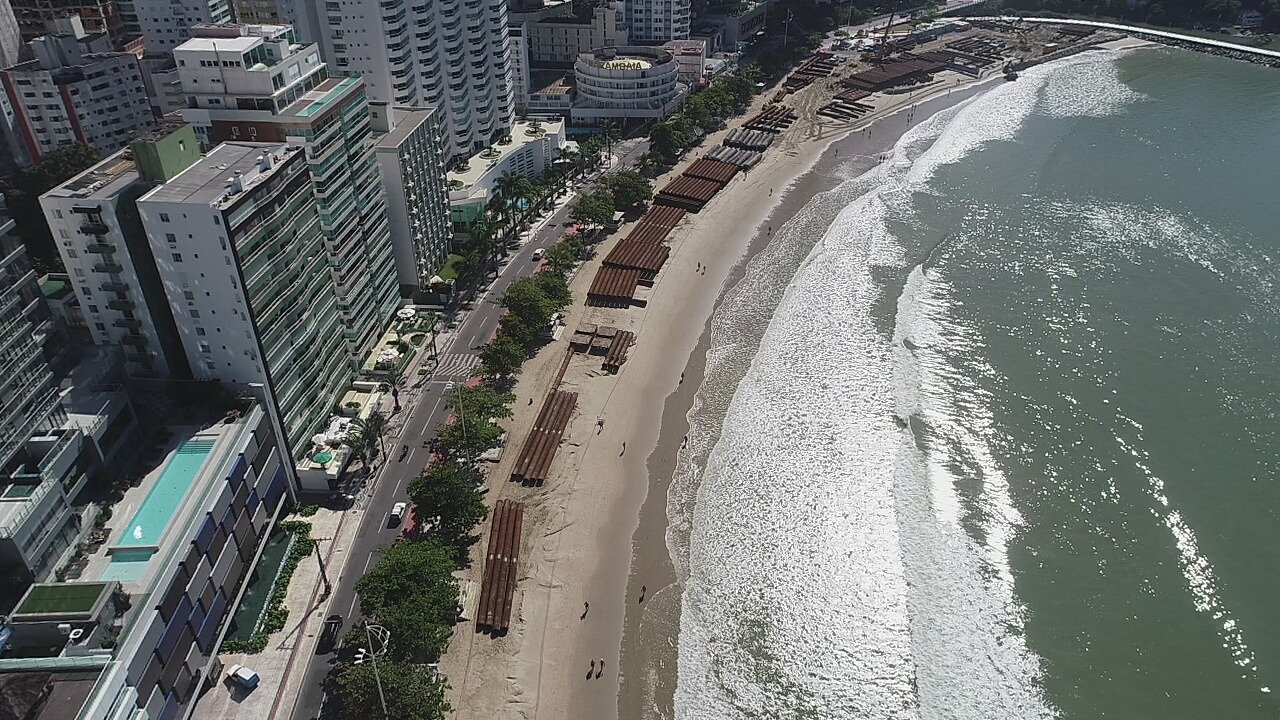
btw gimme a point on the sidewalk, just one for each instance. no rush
(333, 530)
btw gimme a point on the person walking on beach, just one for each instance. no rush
(592, 670)
(624, 450)
(601, 670)
(643, 589)
(585, 607)
(599, 425)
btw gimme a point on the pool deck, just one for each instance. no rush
(123, 512)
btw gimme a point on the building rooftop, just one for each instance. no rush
(408, 123)
(321, 96)
(550, 81)
(55, 289)
(207, 180)
(626, 58)
(522, 133)
(103, 180)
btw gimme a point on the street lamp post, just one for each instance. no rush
(384, 637)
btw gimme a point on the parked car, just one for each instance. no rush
(329, 635)
(243, 676)
(537, 254)
(397, 512)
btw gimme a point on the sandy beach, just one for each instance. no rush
(595, 533)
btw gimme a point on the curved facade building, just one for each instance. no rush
(626, 83)
(449, 54)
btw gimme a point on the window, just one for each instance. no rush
(164, 217)
(204, 347)
(169, 237)
(177, 257)
(57, 214)
(188, 295)
(195, 313)
(199, 331)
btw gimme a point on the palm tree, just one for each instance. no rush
(507, 188)
(395, 380)
(364, 436)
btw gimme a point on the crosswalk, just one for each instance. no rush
(455, 366)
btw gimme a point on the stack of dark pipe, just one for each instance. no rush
(534, 463)
(498, 584)
(618, 351)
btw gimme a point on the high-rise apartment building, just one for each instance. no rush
(239, 240)
(98, 16)
(447, 54)
(166, 24)
(273, 12)
(257, 83)
(10, 37)
(76, 89)
(412, 164)
(654, 22)
(95, 223)
(556, 42)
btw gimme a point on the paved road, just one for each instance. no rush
(426, 409)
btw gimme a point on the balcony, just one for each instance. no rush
(115, 286)
(94, 227)
(121, 304)
(128, 323)
(101, 248)
(137, 358)
(111, 268)
(135, 340)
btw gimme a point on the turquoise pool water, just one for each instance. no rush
(157, 510)
(127, 565)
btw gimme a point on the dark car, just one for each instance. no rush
(329, 635)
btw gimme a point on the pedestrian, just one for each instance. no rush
(770, 192)
(624, 450)
(601, 670)
(592, 670)
(681, 378)
(530, 401)
(599, 425)
(585, 607)
(643, 590)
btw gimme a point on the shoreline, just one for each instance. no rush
(651, 630)
(596, 531)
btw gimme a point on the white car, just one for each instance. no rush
(397, 512)
(243, 676)
(537, 254)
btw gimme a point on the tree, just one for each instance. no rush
(554, 289)
(395, 380)
(414, 574)
(481, 401)
(629, 188)
(468, 437)
(562, 257)
(670, 138)
(447, 493)
(596, 207)
(364, 436)
(23, 197)
(502, 357)
(412, 692)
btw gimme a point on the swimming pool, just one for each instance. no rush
(166, 495)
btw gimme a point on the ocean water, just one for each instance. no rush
(990, 431)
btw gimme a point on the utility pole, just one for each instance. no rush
(328, 588)
(786, 29)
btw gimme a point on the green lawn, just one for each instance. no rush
(62, 597)
(450, 269)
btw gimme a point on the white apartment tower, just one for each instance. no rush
(257, 83)
(238, 238)
(414, 174)
(104, 248)
(166, 24)
(448, 54)
(75, 89)
(654, 22)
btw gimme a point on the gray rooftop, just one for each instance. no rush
(103, 180)
(409, 123)
(206, 181)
